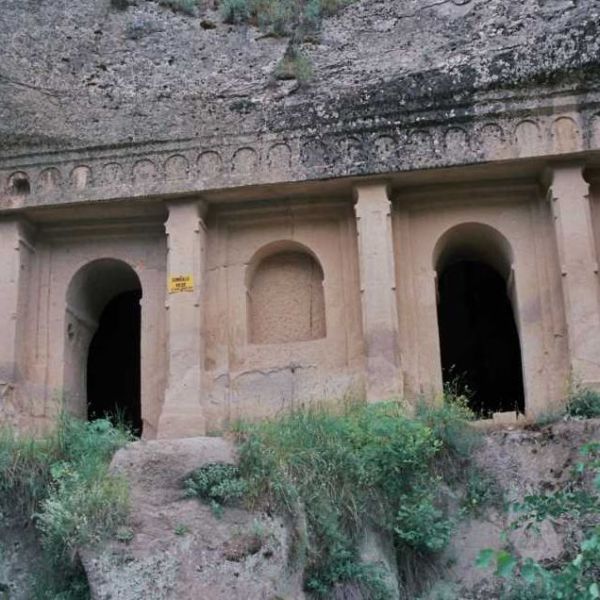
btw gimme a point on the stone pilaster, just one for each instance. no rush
(569, 193)
(15, 254)
(183, 412)
(378, 291)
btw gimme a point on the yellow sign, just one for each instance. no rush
(181, 283)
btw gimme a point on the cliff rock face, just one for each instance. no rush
(180, 548)
(85, 73)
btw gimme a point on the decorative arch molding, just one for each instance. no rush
(474, 241)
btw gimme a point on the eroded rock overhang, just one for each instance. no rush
(504, 129)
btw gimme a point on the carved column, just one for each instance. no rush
(15, 258)
(378, 291)
(183, 412)
(569, 194)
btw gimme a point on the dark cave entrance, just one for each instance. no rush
(479, 341)
(113, 365)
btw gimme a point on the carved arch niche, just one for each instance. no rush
(285, 295)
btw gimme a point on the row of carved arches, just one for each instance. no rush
(479, 339)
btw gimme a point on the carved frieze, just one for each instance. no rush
(364, 148)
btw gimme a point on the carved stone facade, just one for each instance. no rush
(296, 254)
(296, 293)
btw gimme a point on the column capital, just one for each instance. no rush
(374, 190)
(184, 210)
(565, 179)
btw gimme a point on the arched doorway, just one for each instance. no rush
(102, 357)
(479, 340)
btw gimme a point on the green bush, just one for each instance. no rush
(216, 482)
(584, 403)
(61, 482)
(364, 466)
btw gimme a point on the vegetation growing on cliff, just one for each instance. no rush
(300, 20)
(339, 474)
(281, 17)
(60, 484)
(577, 576)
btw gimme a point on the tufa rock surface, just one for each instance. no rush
(86, 73)
(177, 547)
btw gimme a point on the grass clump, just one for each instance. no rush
(584, 403)
(366, 466)
(295, 18)
(294, 65)
(61, 484)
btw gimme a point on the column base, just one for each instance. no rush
(180, 422)
(384, 380)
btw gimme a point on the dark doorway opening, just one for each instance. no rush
(113, 366)
(479, 341)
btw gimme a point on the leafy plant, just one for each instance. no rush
(216, 482)
(181, 529)
(61, 482)
(124, 534)
(481, 491)
(340, 472)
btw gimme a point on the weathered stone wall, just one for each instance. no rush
(280, 375)
(84, 74)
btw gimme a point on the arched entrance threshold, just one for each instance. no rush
(102, 357)
(479, 341)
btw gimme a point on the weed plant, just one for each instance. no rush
(61, 484)
(346, 470)
(281, 17)
(584, 403)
